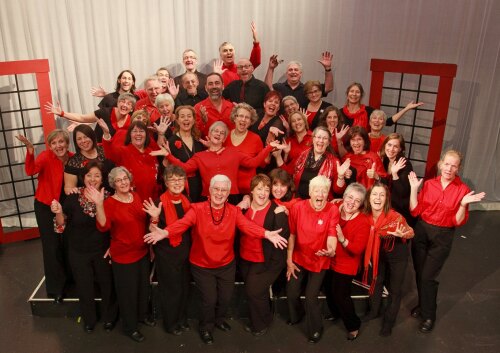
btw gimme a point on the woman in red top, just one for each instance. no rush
(135, 156)
(352, 235)
(377, 123)
(213, 224)
(261, 263)
(387, 251)
(245, 141)
(333, 120)
(442, 205)
(313, 239)
(49, 165)
(316, 106)
(123, 217)
(368, 165)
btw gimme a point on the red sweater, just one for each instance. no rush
(213, 115)
(311, 230)
(127, 225)
(250, 146)
(439, 207)
(296, 149)
(227, 162)
(212, 245)
(376, 143)
(50, 170)
(142, 166)
(347, 260)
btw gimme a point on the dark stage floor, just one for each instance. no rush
(468, 312)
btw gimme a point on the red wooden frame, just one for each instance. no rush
(446, 74)
(40, 68)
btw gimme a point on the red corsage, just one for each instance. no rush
(178, 144)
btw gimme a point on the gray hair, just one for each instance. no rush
(319, 181)
(289, 98)
(221, 178)
(217, 124)
(151, 78)
(128, 97)
(187, 51)
(322, 128)
(164, 97)
(356, 187)
(114, 172)
(378, 112)
(294, 62)
(247, 107)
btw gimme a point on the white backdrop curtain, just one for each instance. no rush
(89, 42)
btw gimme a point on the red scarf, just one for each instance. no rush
(380, 230)
(328, 167)
(359, 118)
(168, 199)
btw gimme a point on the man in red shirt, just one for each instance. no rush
(214, 108)
(152, 86)
(442, 205)
(213, 224)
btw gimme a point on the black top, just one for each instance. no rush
(315, 121)
(298, 92)
(253, 92)
(110, 100)
(177, 254)
(202, 79)
(183, 98)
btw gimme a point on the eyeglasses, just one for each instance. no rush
(175, 180)
(240, 67)
(124, 179)
(321, 138)
(352, 199)
(222, 132)
(241, 116)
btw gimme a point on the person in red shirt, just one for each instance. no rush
(377, 123)
(352, 235)
(153, 88)
(316, 105)
(49, 165)
(312, 242)
(122, 215)
(332, 119)
(387, 252)
(442, 205)
(212, 258)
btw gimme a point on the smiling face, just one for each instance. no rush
(190, 61)
(219, 193)
(272, 106)
(214, 87)
(138, 137)
(354, 95)
(142, 118)
(244, 69)
(165, 109)
(84, 142)
(279, 190)
(319, 197)
(124, 106)
(293, 74)
(217, 136)
(314, 94)
(226, 53)
(126, 81)
(352, 201)
(175, 184)
(392, 149)
(122, 183)
(242, 120)
(449, 167)
(163, 77)
(357, 144)
(59, 146)
(153, 89)
(190, 83)
(185, 119)
(377, 122)
(378, 198)
(332, 120)
(260, 195)
(297, 123)
(290, 106)
(93, 178)
(321, 140)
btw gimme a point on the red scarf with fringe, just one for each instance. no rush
(359, 118)
(168, 199)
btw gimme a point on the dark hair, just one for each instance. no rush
(171, 170)
(281, 176)
(387, 205)
(357, 131)
(132, 88)
(140, 125)
(322, 118)
(87, 131)
(359, 85)
(393, 136)
(216, 74)
(87, 167)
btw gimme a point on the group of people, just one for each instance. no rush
(230, 174)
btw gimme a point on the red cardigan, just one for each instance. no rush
(212, 245)
(227, 162)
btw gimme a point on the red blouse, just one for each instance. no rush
(376, 143)
(363, 162)
(127, 225)
(227, 162)
(250, 247)
(212, 245)
(213, 115)
(296, 149)
(250, 146)
(311, 230)
(439, 207)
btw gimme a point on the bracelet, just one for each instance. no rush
(342, 242)
(62, 114)
(328, 70)
(154, 221)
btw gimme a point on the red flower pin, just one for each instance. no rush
(178, 143)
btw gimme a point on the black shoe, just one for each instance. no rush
(175, 332)
(256, 333)
(223, 326)
(88, 328)
(385, 331)
(315, 337)
(184, 327)
(58, 299)
(416, 312)
(426, 326)
(137, 336)
(109, 326)
(148, 322)
(352, 336)
(206, 337)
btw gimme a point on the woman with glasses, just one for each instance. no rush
(316, 105)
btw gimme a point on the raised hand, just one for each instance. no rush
(326, 60)
(401, 231)
(339, 134)
(244, 203)
(274, 62)
(55, 207)
(285, 122)
(218, 66)
(163, 151)
(274, 237)
(275, 131)
(205, 142)
(105, 128)
(398, 165)
(151, 209)
(156, 235)
(471, 197)
(172, 88)
(305, 112)
(94, 195)
(26, 142)
(254, 32)
(414, 182)
(341, 169)
(162, 127)
(98, 91)
(54, 109)
(371, 173)
(413, 105)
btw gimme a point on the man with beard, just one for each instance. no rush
(214, 108)
(190, 94)
(247, 89)
(190, 62)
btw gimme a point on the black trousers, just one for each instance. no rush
(391, 270)
(54, 263)
(132, 290)
(172, 271)
(343, 306)
(314, 319)
(216, 287)
(431, 247)
(87, 269)
(259, 277)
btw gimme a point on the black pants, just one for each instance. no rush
(430, 249)
(132, 290)
(172, 271)
(87, 269)
(216, 287)
(391, 270)
(259, 277)
(343, 306)
(53, 250)
(314, 319)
